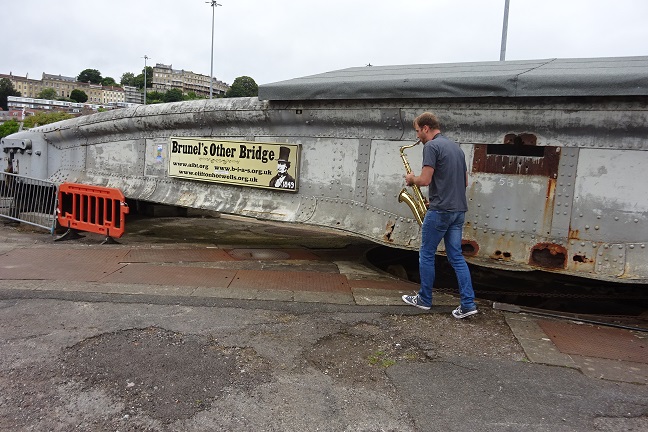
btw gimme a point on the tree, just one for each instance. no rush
(139, 79)
(47, 93)
(43, 118)
(6, 89)
(90, 75)
(192, 96)
(128, 79)
(154, 97)
(243, 86)
(78, 96)
(173, 95)
(9, 127)
(109, 81)
(149, 76)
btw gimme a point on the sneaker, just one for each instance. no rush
(460, 313)
(414, 300)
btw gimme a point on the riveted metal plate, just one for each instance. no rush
(362, 170)
(176, 255)
(510, 203)
(610, 259)
(387, 168)
(307, 206)
(610, 200)
(374, 222)
(637, 261)
(121, 157)
(594, 341)
(391, 122)
(328, 167)
(291, 281)
(171, 275)
(564, 193)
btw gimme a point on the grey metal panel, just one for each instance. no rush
(610, 199)
(510, 203)
(386, 168)
(328, 167)
(564, 192)
(29, 153)
(362, 170)
(550, 77)
(338, 119)
(610, 260)
(66, 160)
(636, 261)
(367, 221)
(121, 157)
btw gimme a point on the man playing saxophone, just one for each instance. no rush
(444, 171)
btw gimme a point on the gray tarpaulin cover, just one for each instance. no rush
(612, 76)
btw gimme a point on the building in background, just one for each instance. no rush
(26, 86)
(62, 84)
(33, 105)
(97, 94)
(132, 95)
(166, 78)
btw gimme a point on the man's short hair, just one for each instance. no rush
(427, 119)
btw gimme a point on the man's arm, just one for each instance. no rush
(422, 180)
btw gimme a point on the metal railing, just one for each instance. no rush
(28, 200)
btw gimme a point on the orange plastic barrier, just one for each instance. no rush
(94, 209)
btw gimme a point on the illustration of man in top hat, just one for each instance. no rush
(283, 180)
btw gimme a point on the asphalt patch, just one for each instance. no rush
(163, 374)
(361, 354)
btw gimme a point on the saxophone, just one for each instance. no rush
(416, 203)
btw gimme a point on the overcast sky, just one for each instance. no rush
(275, 40)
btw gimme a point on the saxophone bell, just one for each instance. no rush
(408, 199)
(415, 200)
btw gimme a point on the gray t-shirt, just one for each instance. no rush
(448, 186)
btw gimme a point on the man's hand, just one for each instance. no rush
(409, 179)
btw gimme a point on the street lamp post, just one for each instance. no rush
(504, 31)
(145, 58)
(211, 74)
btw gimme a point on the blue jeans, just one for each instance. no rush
(448, 226)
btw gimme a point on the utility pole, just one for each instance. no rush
(146, 58)
(211, 74)
(504, 31)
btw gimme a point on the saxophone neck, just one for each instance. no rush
(402, 149)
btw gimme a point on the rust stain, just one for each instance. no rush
(547, 216)
(548, 255)
(517, 155)
(573, 234)
(551, 189)
(389, 230)
(502, 256)
(469, 247)
(582, 259)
